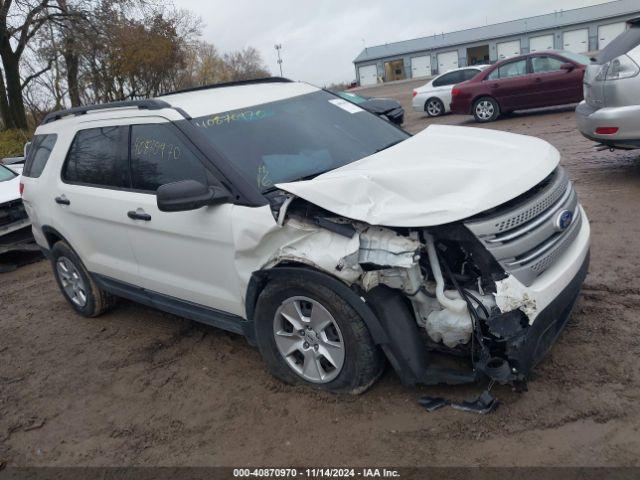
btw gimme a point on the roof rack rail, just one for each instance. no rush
(149, 104)
(231, 84)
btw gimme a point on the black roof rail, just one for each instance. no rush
(149, 104)
(231, 84)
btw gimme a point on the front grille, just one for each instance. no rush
(523, 235)
(11, 212)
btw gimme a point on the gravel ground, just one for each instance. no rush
(140, 387)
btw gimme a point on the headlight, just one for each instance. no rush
(618, 68)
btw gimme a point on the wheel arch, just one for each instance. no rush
(52, 236)
(385, 312)
(483, 95)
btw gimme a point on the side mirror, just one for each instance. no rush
(189, 195)
(567, 66)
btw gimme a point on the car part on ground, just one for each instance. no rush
(610, 112)
(474, 249)
(386, 108)
(434, 98)
(540, 79)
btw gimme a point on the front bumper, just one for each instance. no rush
(626, 119)
(520, 337)
(522, 346)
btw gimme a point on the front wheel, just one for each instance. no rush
(486, 109)
(434, 107)
(308, 334)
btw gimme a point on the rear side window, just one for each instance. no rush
(541, 64)
(160, 156)
(38, 155)
(98, 156)
(449, 79)
(509, 70)
(469, 74)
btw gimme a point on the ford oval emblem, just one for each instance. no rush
(563, 220)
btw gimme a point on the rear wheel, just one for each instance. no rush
(486, 109)
(308, 334)
(434, 107)
(76, 284)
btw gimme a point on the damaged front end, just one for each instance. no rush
(440, 290)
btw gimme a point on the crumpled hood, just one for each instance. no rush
(10, 190)
(441, 175)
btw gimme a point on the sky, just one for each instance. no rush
(321, 38)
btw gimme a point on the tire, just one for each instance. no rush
(486, 109)
(76, 284)
(362, 360)
(434, 107)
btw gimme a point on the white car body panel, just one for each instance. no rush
(440, 175)
(442, 92)
(10, 190)
(218, 100)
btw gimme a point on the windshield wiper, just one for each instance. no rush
(389, 145)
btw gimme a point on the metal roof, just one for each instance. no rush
(514, 27)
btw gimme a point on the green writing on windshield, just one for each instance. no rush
(227, 118)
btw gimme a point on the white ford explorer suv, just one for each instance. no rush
(328, 237)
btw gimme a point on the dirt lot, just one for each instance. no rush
(137, 386)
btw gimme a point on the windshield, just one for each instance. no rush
(576, 57)
(297, 138)
(6, 174)
(352, 97)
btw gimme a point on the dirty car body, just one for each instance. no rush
(456, 240)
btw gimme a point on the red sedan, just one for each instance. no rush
(540, 79)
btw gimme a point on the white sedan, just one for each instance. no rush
(434, 98)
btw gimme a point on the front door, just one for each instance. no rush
(510, 84)
(553, 85)
(186, 255)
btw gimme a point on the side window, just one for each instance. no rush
(494, 75)
(541, 64)
(513, 69)
(448, 79)
(159, 156)
(38, 155)
(469, 74)
(98, 156)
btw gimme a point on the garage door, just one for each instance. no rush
(368, 75)
(576, 41)
(541, 43)
(606, 33)
(421, 66)
(447, 61)
(508, 49)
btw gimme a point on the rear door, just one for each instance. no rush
(553, 85)
(91, 200)
(510, 84)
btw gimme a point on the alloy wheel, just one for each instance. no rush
(485, 109)
(309, 339)
(434, 108)
(71, 281)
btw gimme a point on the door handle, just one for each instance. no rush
(538, 80)
(138, 215)
(495, 85)
(62, 200)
